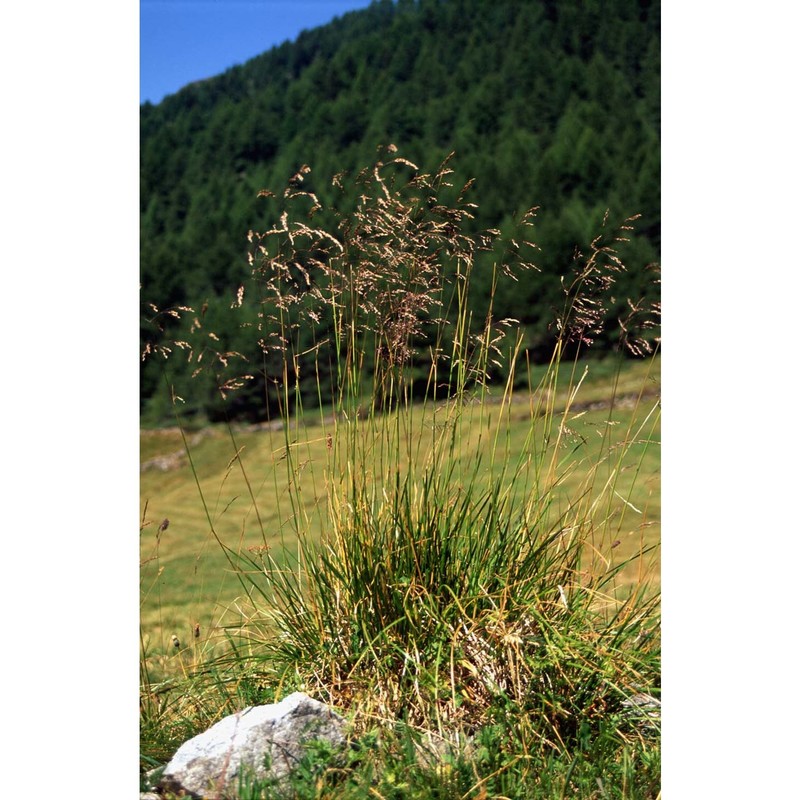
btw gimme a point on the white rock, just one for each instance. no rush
(210, 764)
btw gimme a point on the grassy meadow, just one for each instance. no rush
(197, 584)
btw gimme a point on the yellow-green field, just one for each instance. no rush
(236, 492)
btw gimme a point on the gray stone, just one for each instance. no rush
(644, 709)
(210, 765)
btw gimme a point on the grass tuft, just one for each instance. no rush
(458, 564)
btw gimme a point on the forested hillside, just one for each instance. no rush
(548, 103)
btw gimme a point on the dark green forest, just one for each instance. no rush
(546, 103)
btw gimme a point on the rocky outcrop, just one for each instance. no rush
(260, 742)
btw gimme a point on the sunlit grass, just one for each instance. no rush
(198, 583)
(480, 563)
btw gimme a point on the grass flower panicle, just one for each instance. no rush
(463, 565)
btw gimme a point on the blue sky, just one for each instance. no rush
(186, 40)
